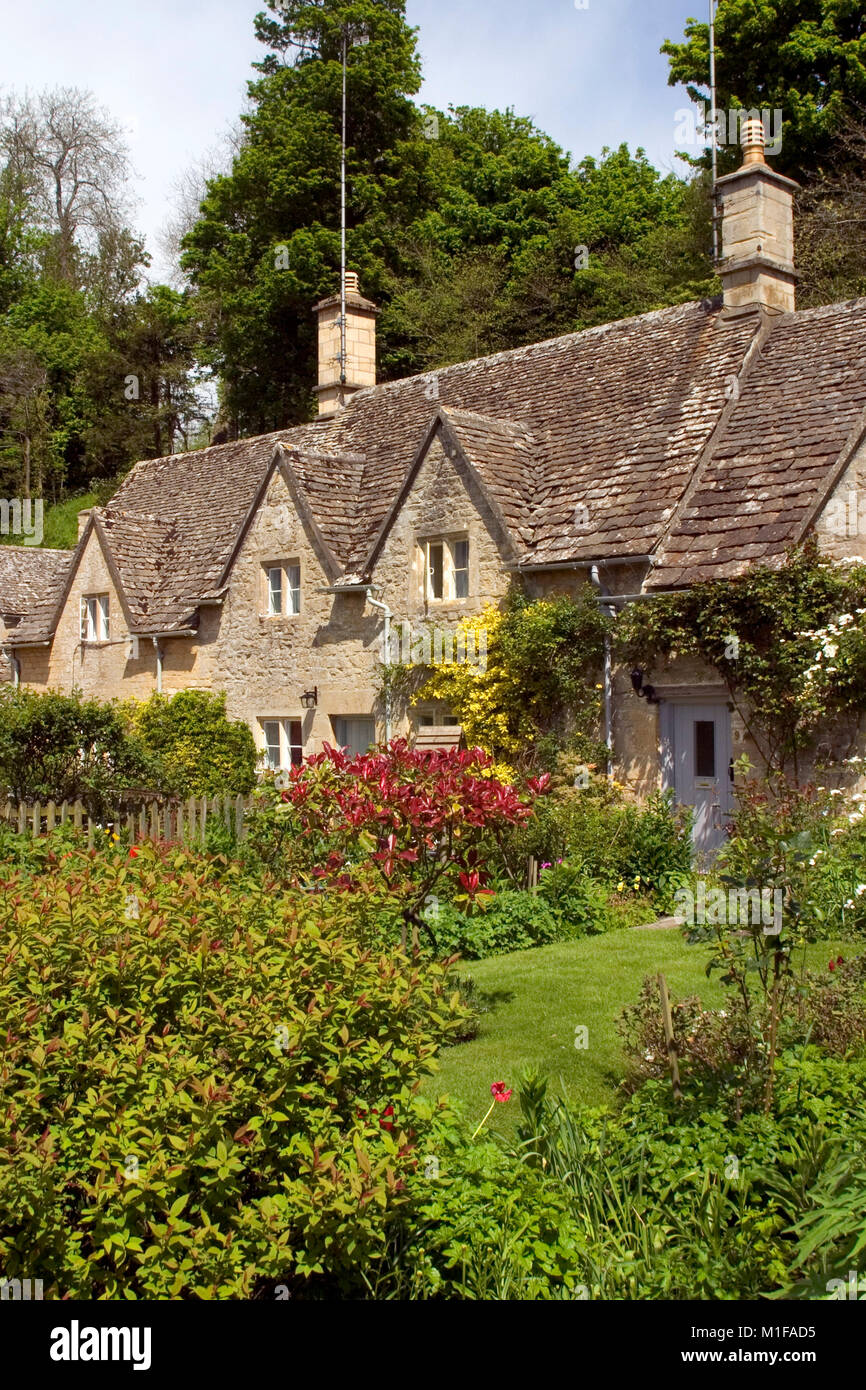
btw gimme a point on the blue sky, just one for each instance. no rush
(174, 72)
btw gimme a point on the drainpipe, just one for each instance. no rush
(378, 603)
(159, 656)
(602, 590)
(13, 662)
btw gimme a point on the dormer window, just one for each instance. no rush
(94, 618)
(282, 589)
(445, 568)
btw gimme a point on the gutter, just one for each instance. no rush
(584, 564)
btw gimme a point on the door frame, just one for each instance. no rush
(670, 697)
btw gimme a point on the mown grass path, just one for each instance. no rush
(535, 1000)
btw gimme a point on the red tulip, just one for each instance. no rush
(500, 1092)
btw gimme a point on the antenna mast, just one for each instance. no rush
(343, 225)
(713, 125)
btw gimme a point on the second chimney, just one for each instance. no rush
(337, 382)
(757, 263)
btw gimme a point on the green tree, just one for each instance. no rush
(64, 747)
(199, 750)
(804, 57)
(267, 244)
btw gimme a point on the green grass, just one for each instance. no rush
(59, 523)
(535, 999)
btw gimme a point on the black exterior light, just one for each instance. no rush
(310, 698)
(647, 691)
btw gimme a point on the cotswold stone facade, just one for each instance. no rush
(640, 457)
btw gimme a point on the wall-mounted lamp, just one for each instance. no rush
(647, 691)
(310, 698)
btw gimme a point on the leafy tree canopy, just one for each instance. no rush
(804, 57)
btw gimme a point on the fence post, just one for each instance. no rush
(240, 830)
(22, 818)
(37, 818)
(532, 874)
(90, 829)
(667, 1019)
(77, 812)
(64, 812)
(51, 817)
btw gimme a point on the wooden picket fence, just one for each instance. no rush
(178, 822)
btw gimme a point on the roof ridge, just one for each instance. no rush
(598, 330)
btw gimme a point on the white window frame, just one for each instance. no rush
(292, 590)
(284, 744)
(95, 617)
(274, 585)
(450, 570)
(459, 570)
(289, 604)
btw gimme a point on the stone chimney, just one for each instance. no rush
(335, 387)
(757, 213)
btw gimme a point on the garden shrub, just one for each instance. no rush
(614, 840)
(513, 921)
(811, 842)
(567, 905)
(682, 1201)
(199, 750)
(415, 822)
(63, 747)
(205, 1085)
(483, 1225)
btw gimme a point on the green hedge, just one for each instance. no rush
(205, 1085)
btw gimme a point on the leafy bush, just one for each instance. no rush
(481, 1224)
(584, 907)
(684, 1202)
(513, 921)
(62, 747)
(199, 750)
(613, 840)
(811, 842)
(205, 1085)
(409, 820)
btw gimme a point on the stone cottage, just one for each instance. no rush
(639, 457)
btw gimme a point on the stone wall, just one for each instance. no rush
(841, 527)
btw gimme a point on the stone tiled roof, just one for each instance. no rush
(706, 441)
(28, 575)
(771, 467)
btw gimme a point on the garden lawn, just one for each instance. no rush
(535, 999)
